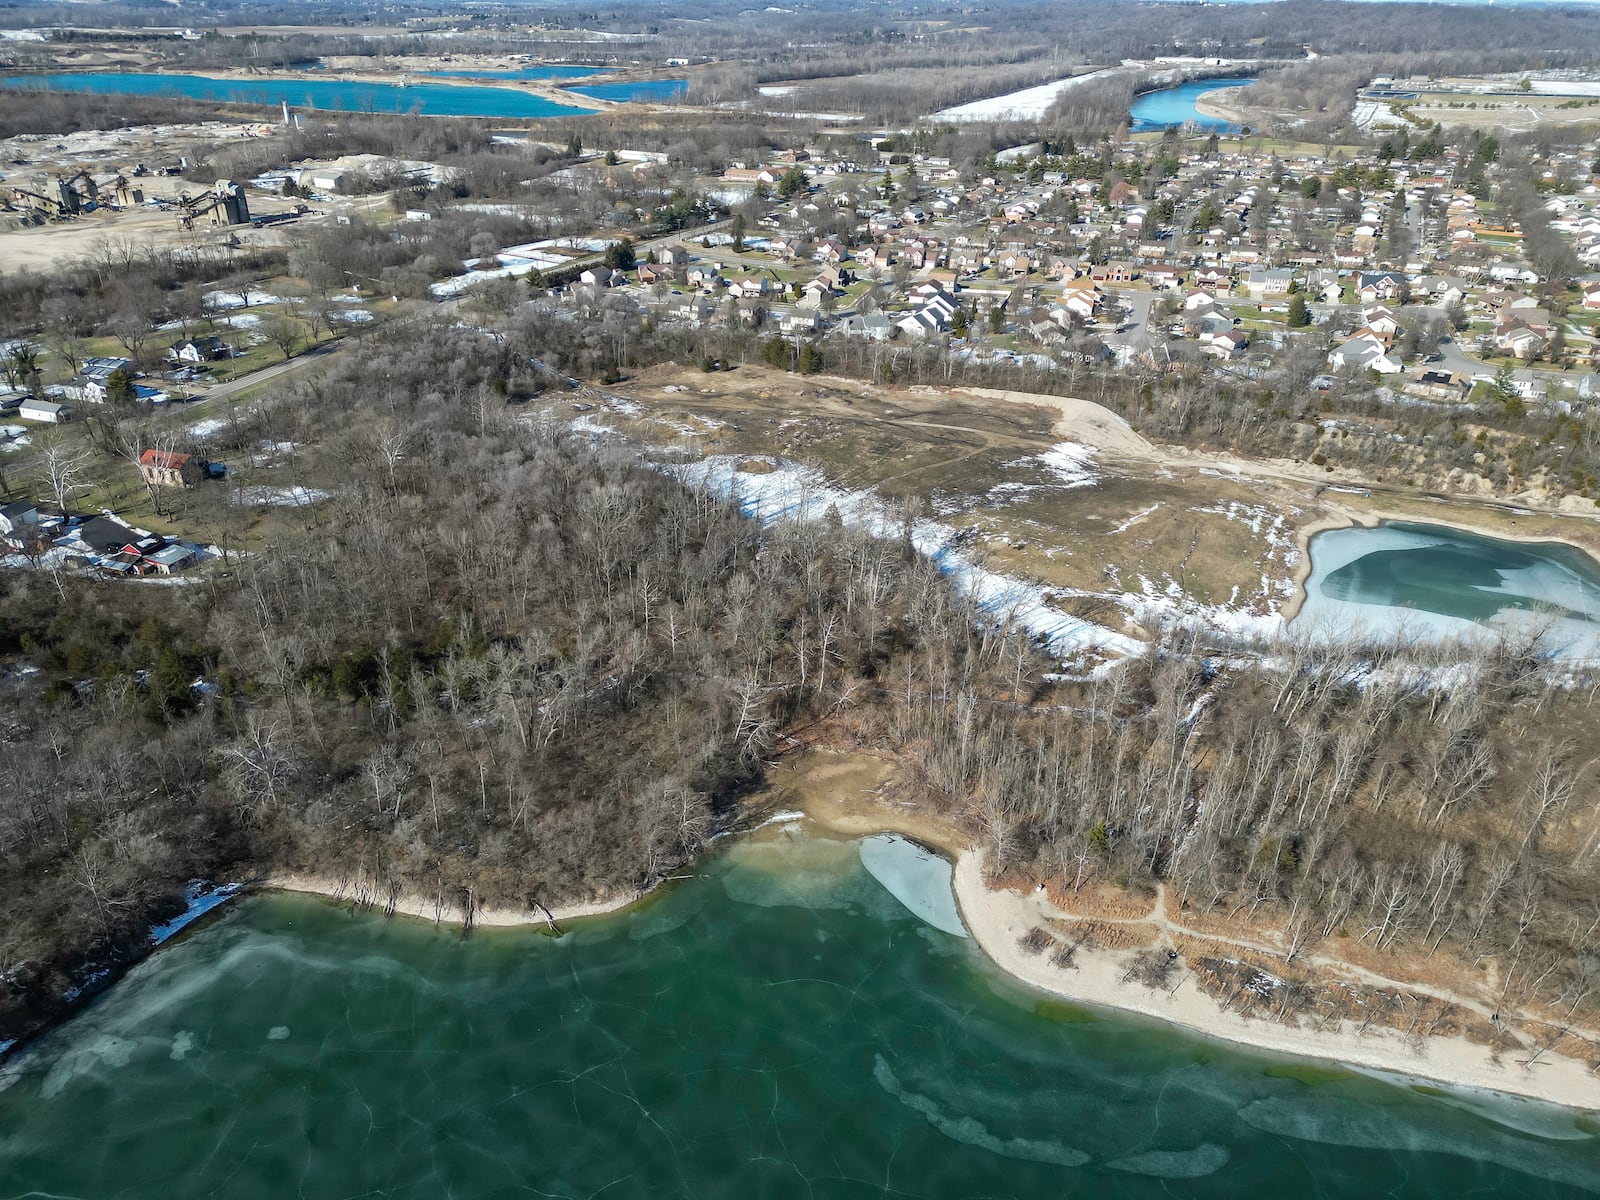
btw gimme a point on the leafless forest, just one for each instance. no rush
(510, 666)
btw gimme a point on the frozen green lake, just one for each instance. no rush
(781, 1026)
(1429, 580)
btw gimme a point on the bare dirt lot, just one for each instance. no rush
(32, 161)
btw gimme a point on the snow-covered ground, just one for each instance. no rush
(219, 300)
(1067, 464)
(1029, 104)
(291, 497)
(790, 491)
(209, 427)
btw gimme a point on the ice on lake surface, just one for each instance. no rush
(765, 1028)
(1430, 581)
(915, 876)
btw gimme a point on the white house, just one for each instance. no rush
(46, 411)
(1363, 354)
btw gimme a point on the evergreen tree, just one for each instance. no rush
(619, 255)
(1299, 314)
(119, 387)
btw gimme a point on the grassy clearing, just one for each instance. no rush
(974, 464)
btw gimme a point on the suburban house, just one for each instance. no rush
(1115, 271)
(1229, 344)
(800, 320)
(1261, 284)
(1081, 298)
(201, 349)
(1164, 278)
(672, 256)
(1364, 354)
(1324, 286)
(1516, 337)
(749, 285)
(168, 468)
(1206, 323)
(1380, 287)
(874, 327)
(704, 275)
(697, 307)
(1382, 320)
(147, 556)
(19, 520)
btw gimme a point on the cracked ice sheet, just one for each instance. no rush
(790, 491)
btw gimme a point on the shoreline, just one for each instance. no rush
(362, 894)
(1207, 105)
(854, 794)
(998, 920)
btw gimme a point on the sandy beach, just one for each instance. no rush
(853, 794)
(1211, 105)
(999, 920)
(364, 894)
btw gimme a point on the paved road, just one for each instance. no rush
(1136, 323)
(1455, 358)
(267, 374)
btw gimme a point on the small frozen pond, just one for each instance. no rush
(1431, 580)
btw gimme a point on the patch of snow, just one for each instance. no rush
(793, 492)
(1028, 104)
(200, 897)
(291, 496)
(782, 818)
(219, 300)
(1136, 518)
(1069, 463)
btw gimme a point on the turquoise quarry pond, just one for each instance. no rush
(1429, 580)
(781, 1026)
(648, 90)
(549, 71)
(434, 99)
(1175, 106)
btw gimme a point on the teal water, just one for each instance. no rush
(780, 1026)
(1428, 579)
(433, 99)
(1175, 106)
(543, 72)
(652, 91)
